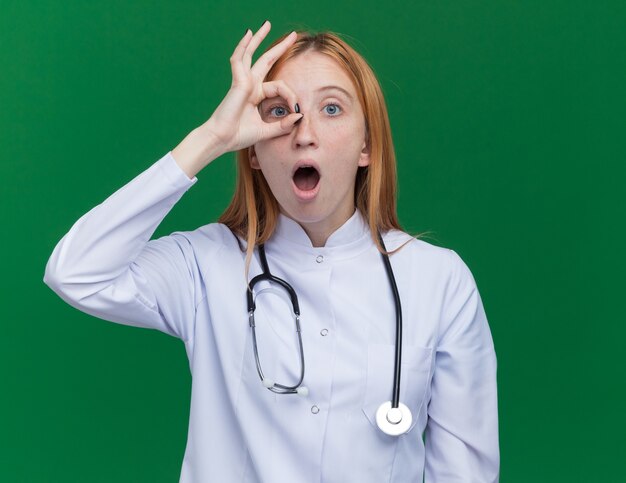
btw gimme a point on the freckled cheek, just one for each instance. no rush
(339, 127)
(346, 142)
(271, 155)
(340, 131)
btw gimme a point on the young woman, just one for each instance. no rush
(324, 342)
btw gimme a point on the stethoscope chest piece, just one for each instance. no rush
(393, 421)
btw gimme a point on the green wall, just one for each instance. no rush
(508, 120)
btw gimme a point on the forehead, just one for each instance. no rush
(311, 70)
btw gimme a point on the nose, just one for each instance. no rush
(305, 133)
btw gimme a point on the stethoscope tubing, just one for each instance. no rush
(267, 275)
(395, 400)
(392, 417)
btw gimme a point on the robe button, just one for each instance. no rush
(315, 409)
(324, 332)
(319, 259)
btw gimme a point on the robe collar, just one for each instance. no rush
(348, 240)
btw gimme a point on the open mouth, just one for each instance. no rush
(306, 178)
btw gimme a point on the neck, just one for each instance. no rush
(318, 235)
(319, 231)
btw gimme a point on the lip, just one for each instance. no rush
(310, 194)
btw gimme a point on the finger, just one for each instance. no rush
(235, 58)
(254, 43)
(279, 88)
(264, 63)
(286, 124)
(241, 46)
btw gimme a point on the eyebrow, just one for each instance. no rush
(337, 88)
(323, 88)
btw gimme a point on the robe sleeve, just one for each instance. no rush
(108, 267)
(462, 430)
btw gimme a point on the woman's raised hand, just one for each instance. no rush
(236, 123)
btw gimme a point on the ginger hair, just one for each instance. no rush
(253, 211)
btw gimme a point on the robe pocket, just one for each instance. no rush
(414, 378)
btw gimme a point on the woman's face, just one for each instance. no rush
(312, 170)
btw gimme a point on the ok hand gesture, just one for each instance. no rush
(236, 123)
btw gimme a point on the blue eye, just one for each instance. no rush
(334, 111)
(271, 109)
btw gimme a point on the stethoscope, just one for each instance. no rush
(392, 417)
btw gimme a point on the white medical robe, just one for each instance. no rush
(191, 285)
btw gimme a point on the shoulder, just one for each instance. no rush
(410, 246)
(418, 253)
(207, 241)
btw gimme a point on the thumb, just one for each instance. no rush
(285, 125)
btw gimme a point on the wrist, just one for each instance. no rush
(212, 146)
(199, 148)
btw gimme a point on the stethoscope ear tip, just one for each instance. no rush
(302, 391)
(268, 383)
